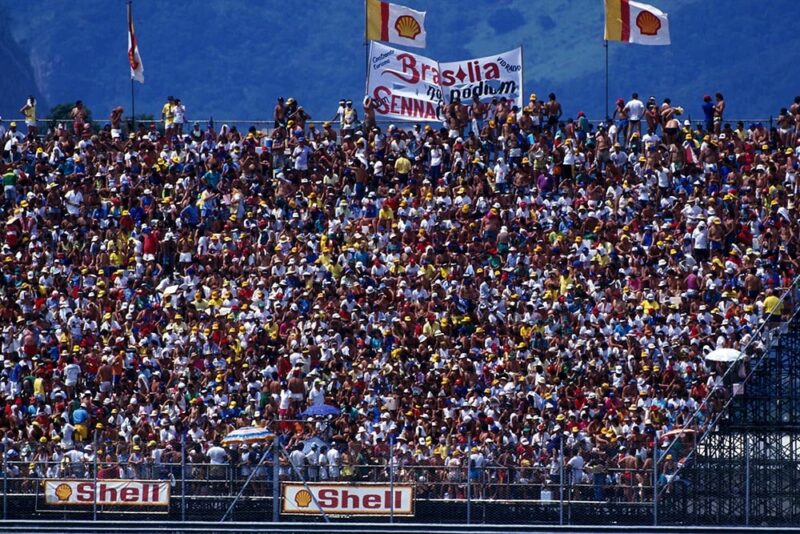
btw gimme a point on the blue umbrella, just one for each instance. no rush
(320, 411)
(308, 443)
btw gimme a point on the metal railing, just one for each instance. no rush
(559, 489)
(267, 124)
(519, 482)
(765, 335)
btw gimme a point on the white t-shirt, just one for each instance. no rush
(180, 113)
(316, 396)
(217, 455)
(576, 463)
(297, 458)
(635, 109)
(301, 154)
(436, 156)
(71, 374)
(333, 462)
(74, 200)
(700, 236)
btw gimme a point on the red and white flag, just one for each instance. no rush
(137, 69)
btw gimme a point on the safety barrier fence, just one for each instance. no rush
(267, 125)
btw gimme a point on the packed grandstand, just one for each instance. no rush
(518, 292)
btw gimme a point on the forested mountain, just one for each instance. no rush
(232, 58)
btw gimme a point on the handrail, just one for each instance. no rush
(431, 480)
(320, 122)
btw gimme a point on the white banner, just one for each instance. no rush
(348, 499)
(409, 86)
(488, 77)
(107, 492)
(403, 85)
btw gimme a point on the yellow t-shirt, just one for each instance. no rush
(773, 305)
(386, 214)
(168, 112)
(38, 387)
(402, 166)
(648, 305)
(336, 270)
(564, 282)
(115, 259)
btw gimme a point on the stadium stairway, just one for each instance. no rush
(747, 470)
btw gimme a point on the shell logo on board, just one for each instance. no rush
(302, 498)
(63, 492)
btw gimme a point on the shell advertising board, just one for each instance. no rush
(107, 492)
(348, 499)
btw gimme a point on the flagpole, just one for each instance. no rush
(366, 49)
(366, 41)
(522, 66)
(605, 45)
(133, 107)
(133, 99)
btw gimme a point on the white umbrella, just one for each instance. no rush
(724, 355)
(170, 290)
(248, 434)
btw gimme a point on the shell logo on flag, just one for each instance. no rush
(407, 26)
(302, 499)
(648, 23)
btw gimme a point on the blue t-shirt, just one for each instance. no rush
(708, 111)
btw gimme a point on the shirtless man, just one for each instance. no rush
(652, 116)
(553, 112)
(297, 387)
(105, 376)
(719, 110)
(477, 112)
(603, 142)
(671, 124)
(369, 113)
(752, 285)
(279, 113)
(453, 115)
(709, 155)
(526, 121)
(462, 114)
(78, 115)
(534, 107)
(785, 127)
(116, 119)
(501, 111)
(629, 466)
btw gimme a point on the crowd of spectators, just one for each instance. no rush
(467, 294)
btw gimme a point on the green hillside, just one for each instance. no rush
(232, 58)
